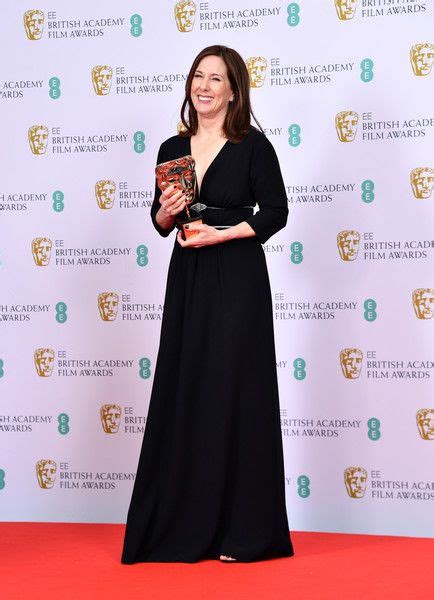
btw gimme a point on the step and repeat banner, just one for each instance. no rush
(344, 90)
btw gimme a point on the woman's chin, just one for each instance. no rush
(203, 109)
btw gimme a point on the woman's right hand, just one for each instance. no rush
(172, 200)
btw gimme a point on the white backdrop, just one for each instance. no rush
(358, 445)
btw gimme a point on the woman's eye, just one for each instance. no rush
(214, 78)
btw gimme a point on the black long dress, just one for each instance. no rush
(210, 477)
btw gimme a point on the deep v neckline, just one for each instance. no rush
(211, 164)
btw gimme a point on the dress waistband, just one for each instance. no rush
(199, 206)
(229, 207)
(228, 216)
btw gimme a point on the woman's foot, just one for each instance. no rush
(226, 558)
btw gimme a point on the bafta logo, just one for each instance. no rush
(38, 139)
(346, 125)
(34, 24)
(108, 305)
(351, 362)
(110, 417)
(44, 361)
(348, 244)
(46, 473)
(355, 481)
(184, 15)
(345, 9)
(422, 182)
(423, 303)
(41, 250)
(257, 68)
(425, 423)
(422, 58)
(105, 193)
(180, 127)
(102, 79)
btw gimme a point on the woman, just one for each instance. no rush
(210, 478)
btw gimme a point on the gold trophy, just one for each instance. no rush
(181, 171)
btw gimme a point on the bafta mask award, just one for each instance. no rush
(181, 171)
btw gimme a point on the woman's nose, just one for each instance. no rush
(204, 84)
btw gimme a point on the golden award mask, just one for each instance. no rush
(348, 244)
(345, 9)
(423, 303)
(41, 250)
(346, 125)
(46, 473)
(34, 23)
(110, 417)
(355, 481)
(422, 58)
(108, 303)
(184, 15)
(38, 139)
(425, 423)
(257, 69)
(102, 79)
(181, 171)
(44, 361)
(422, 181)
(351, 362)
(105, 193)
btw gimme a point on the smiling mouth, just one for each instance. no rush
(204, 98)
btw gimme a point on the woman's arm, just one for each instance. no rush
(268, 191)
(163, 222)
(241, 230)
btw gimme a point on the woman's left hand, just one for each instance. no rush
(207, 235)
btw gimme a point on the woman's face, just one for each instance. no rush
(210, 87)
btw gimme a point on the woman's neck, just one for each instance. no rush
(210, 127)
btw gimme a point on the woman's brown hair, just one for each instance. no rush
(237, 121)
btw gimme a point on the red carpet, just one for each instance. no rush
(81, 561)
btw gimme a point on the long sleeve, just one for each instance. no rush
(268, 191)
(156, 202)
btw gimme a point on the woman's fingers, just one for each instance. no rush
(178, 207)
(169, 191)
(173, 190)
(174, 204)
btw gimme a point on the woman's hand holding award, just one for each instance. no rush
(181, 172)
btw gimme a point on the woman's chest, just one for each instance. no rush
(204, 155)
(223, 177)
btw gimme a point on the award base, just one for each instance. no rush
(188, 233)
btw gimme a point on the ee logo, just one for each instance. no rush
(293, 17)
(63, 421)
(374, 432)
(144, 371)
(303, 483)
